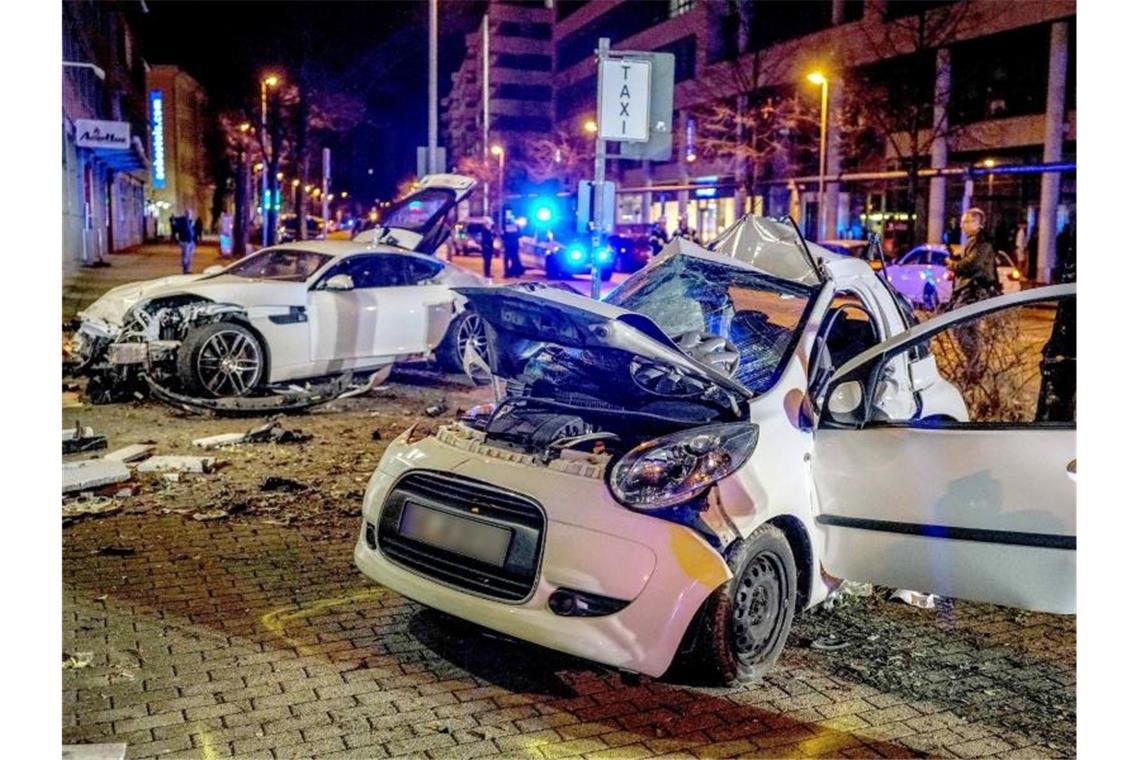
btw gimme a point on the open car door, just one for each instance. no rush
(982, 509)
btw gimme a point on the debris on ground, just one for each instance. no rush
(915, 598)
(435, 410)
(171, 477)
(269, 432)
(77, 660)
(830, 643)
(114, 551)
(132, 453)
(81, 438)
(92, 473)
(177, 464)
(377, 435)
(94, 751)
(88, 504)
(847, 590)
(213, 514)
(278, 484)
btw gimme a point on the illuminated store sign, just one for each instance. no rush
(157, 145)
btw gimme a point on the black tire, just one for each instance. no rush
(221, 359)
(741, 629)
(467, 325)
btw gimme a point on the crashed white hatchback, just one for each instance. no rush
(667, 472)
(291, 312)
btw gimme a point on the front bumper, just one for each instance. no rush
(590, 544)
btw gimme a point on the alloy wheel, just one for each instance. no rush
(229, 364)
(472, 330)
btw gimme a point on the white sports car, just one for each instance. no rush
(671, 469)
(292, 312)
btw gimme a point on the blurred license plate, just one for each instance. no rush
(471, 538)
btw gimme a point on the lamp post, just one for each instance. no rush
(266, 197)
(817, 78)
(498, 152)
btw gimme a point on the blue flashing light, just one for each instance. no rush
(544, 214)
(604, 254)
(576, 254)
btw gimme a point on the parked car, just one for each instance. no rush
(671, 468)
(632, 247)
(287, 228)
(923, 278)
(289, 312)
(469, 236)
(562, 252)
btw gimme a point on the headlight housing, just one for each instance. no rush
(677, 467)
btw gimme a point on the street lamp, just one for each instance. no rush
(590, 126)
(266, 199)
(498, 152)
(989, 163)
(819, 79)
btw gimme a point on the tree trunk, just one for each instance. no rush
(241, 207)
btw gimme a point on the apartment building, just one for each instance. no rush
(181, 179)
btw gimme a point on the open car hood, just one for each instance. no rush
(773, 248)
(418, 222)
(521, 322)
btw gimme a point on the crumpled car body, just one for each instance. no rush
(651, 488)
(285, 314)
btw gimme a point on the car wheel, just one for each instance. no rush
(740, 631)
(467, 327)
(222, 359)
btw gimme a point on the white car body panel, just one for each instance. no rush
(912, 279)
(591, 543)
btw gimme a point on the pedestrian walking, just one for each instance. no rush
(184, 234)
(659, 236)
(975, 279)
(226, 235)
(487, 246)
(511, 264)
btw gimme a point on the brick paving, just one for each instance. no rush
(246, 639)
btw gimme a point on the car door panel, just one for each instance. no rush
(960, 508)
(982, 510)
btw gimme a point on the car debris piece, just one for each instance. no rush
(95, 751)
(213, 514)
(915, 598)
(82, 438)
(177, 464)
(91, 505)
(290, 399)
(92, 473)
(114, 551)
(845, 590)
(77, 431)
(282, 485)
(132, 453)
(217, 441)
(435, 410)
(77, 660)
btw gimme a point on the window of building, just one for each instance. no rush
(566, 7)
(619, 23)
(523, 61)
(678, 7)
(1000, 76)
(511, 123)
(775, 21)
(534, 92)
(524, 30)
(684, 53)
(576, 98)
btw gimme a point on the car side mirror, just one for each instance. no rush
(339, 282)
(845, 400)
(215, 269)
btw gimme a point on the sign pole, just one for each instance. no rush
(599, 179)
(326, 172)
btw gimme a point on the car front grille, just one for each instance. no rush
(465, 498)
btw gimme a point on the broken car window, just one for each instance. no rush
(285, 265)
(761, 316)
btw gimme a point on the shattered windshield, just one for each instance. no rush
(284, 265)
(761, 316)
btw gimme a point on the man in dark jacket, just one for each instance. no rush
(975, 273)
(487, 246)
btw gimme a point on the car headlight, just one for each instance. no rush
(677, 467)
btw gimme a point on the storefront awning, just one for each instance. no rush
(130, 159)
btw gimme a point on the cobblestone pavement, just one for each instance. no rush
(241, 638)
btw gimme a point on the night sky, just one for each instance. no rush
(375, 50)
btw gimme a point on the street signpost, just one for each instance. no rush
(586, 205)
(423, 166)
(635, 109)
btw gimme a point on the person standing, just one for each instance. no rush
(659, 236)
(1021, 247)
(487, 246)
(226, 235)
(975, 273)
(198, 227)
(184, 233)
(511, 264)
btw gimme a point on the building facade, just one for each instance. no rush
(180, 178)
(950, 85)
(103, 133)
(502, 94)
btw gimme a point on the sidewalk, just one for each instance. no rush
(144, 262)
